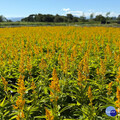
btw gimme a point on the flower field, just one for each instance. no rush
(59, 73)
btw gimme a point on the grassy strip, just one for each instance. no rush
(17, 24)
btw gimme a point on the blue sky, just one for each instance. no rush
(23, 8)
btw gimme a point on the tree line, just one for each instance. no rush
(50, 18)
(71, 18)
(67, 18)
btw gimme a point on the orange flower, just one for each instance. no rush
(66, 66)
(90, 95)
(80, 79)
(20, 101)
(22, 114)
(29, 65)
(21, 65)
(102, 68)
(21, 87)
(43, 64)
(5, 83)
(49, 115)
(118, 97)
(54, 86)
(33, 86)
(18, 117)
(109, 88)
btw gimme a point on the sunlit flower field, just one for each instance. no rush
(59, 73)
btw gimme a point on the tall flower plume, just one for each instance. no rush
(55, 87)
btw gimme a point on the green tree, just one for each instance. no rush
(31, 18)
(58, 18)
(91, 16)
(107, 14)
(2, 18)
(100, 18)
(75, 19)
(39, 18)
(69, 17)
(83, 18)
(118, 18)
(48, 18)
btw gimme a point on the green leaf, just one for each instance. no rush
(28, 89)
(2, 103)
(78, 103)
(13, 86)
(45, 90)
(40, 117)
(28, 108)
(6, 113)
(13, 90)
(29, 101)
(67, 107)
(33, 109)
(13, 114)
(13, 117)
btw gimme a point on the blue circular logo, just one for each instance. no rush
(110, 111)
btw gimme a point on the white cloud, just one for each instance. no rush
(87, 14)
(66, 9)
